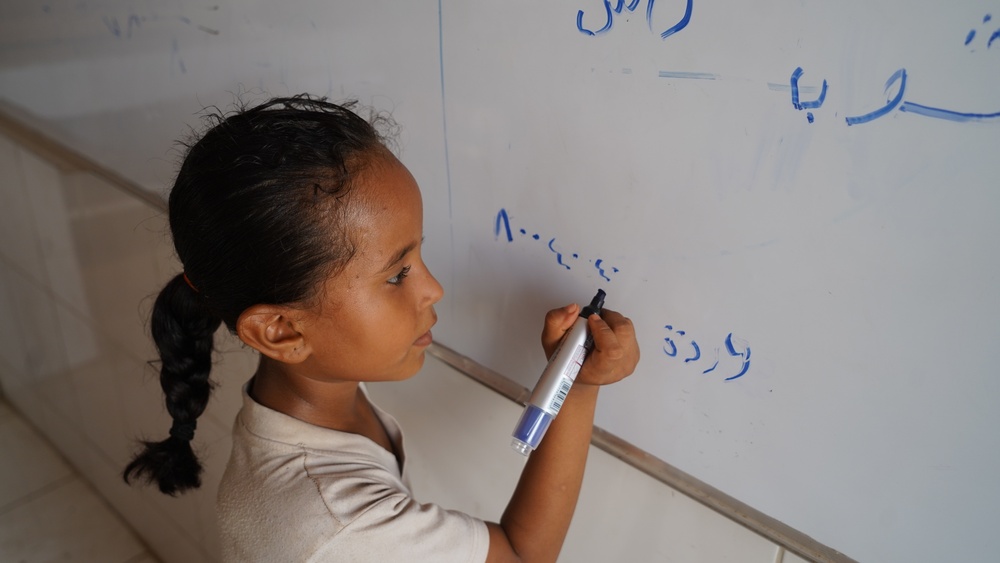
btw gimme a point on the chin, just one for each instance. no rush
(419, 364)
(411, 367)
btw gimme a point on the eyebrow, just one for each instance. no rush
(396, 258)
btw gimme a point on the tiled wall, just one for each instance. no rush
(81, 261)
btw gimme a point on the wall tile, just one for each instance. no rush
(27, 464)
(18, 237)
(52, 221)
(18, 391)
(100, 399)
(34, 316)
(80, 526)
(12, 347)
(115, 236)
(79, 336)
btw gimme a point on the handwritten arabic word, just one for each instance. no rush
(993, 37)
(800, 105)
(502, 229)
(731, 345)
(896, 102)
(630, 7)
(893, 102)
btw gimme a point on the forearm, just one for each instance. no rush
(537, 518)
(541, 508)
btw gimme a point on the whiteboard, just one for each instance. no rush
(797, 203)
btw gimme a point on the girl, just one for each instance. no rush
(300, 231)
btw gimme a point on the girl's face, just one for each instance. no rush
(373, 319)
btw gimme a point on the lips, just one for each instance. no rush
(424, 340)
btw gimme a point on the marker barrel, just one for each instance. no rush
(553, 386)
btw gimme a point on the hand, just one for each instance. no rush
(615, 352)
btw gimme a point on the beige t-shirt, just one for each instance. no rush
(297, 492)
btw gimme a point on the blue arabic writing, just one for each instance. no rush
(898, 76)
(630, 7)
(800, 105)
(502, 229)
(897, 102)
(731, 344)
(993, 37)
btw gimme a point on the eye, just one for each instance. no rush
(398, 278)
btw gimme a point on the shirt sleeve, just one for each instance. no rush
(393, 526)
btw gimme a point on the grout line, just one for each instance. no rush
(80, 476)
(36, 136)
(56, 299)
(39, 492)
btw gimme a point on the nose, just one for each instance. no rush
(434, 291)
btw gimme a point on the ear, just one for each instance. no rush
(273, 331)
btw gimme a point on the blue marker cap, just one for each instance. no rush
(530, 429)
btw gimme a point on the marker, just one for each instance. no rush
(557, 379)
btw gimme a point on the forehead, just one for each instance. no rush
(385, 188)
(386, 210)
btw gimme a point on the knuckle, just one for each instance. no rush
(615, 353)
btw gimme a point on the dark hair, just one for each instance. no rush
(256, 215)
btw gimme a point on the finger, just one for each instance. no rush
(606, 341)
(557, 322)
(621, 326)
(624, 332)
(615, 353)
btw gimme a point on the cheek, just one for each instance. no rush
(386, 328)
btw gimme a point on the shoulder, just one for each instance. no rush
(342, 508)
(342, 494)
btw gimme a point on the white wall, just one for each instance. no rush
(80, 261)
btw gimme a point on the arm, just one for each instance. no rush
(538, 515)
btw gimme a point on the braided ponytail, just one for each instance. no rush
(183, 330)
(255, 218)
